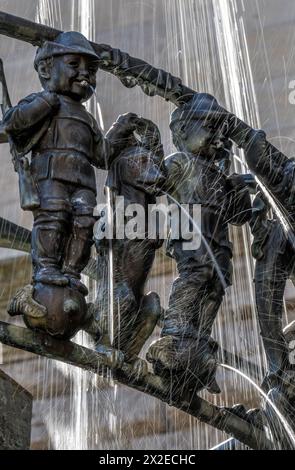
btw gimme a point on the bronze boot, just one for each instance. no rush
(78, 254)
(47, 249)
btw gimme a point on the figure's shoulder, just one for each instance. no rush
(27, 100)
(30, 98)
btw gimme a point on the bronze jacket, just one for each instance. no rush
(65, 141)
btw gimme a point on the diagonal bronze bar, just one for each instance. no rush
(87, 359)
(25, 30)
(130, 70)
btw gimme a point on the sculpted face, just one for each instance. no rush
(73, 75)
(196, 138)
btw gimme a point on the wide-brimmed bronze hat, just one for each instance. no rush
(70, 42)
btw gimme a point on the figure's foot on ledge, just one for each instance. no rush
(115, 357)
(186, 360)
(24, 304)
(139, 369)
(253, 416)
(51, 276)
(58, 311)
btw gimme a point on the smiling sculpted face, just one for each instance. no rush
(73, 75)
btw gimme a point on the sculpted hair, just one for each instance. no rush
(44, 65)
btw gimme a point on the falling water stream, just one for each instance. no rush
(205, 43)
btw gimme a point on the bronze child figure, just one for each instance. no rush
(186, 348)
(134, 178)
(273, 246)
(65, 144)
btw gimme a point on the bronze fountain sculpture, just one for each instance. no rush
(58, 186)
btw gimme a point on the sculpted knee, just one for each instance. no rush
(51, 220)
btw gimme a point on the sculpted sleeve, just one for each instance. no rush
(29, 112)
(28, 121)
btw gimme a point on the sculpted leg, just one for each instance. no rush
(271, 274)
(147, 318)
(48, 241)
(186, 349)
(78, 251)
